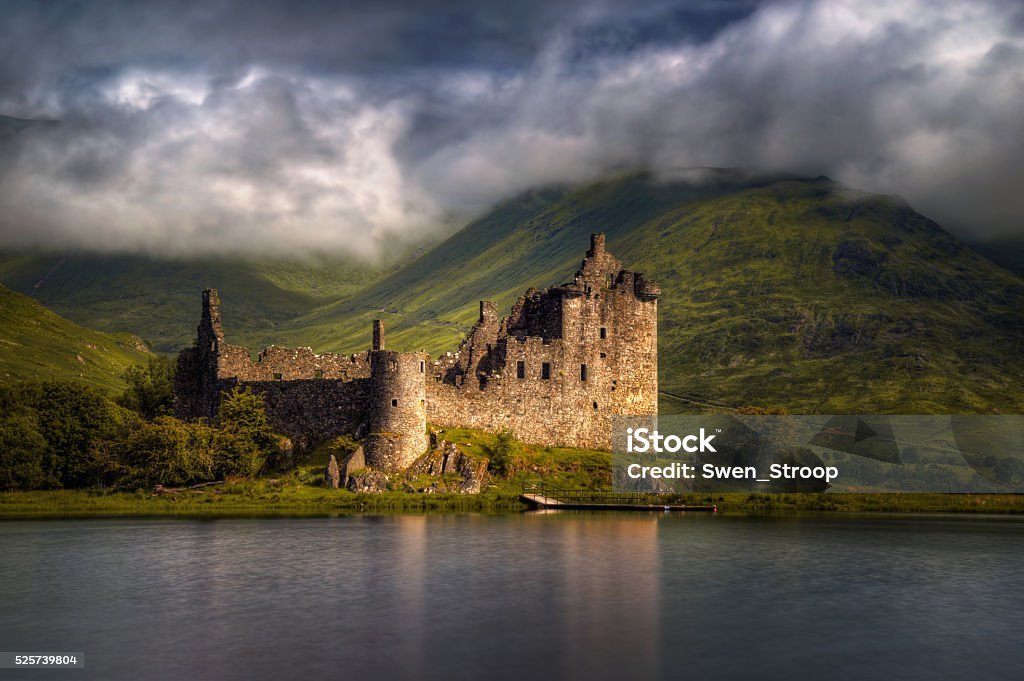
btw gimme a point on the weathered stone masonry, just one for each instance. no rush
(555, 371)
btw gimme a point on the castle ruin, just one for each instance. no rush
(555, 371)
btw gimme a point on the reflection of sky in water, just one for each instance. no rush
(402, 596)
(565, 595)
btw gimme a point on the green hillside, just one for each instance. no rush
(537, 239)
(777, 291)
(36, 344)
(796, 293)
(158, 299)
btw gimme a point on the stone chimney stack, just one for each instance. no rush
(378, 334)
(210, 332)
(596, 245)
(488, 311)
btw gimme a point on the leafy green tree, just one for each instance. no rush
(26, 460)
(19, 398)
(244, 413)
(107, 463)
(72, 416)
(150, 389)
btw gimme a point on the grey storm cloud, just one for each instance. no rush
(343, 127)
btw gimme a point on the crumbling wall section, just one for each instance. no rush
(310, 411)
(276, 363)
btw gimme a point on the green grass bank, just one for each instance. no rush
(302, 492)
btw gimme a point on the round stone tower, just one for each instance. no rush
(398, 406)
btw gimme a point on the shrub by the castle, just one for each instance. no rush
(506, 454)
(150, 390)
(246, 441)
(169, 452)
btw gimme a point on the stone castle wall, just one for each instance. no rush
(555, 371)
(277, 363)
(313, 410)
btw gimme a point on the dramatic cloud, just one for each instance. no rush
(270, 164)
(298, 128)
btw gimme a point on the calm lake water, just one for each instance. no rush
(552, 595)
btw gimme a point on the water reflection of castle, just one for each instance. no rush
(564, 596)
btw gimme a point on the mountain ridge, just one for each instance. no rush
(777, 290)
(852, 299)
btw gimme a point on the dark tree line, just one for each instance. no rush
(64, 434)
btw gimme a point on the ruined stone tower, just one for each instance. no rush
(398, 406)
(555, 371)
(196, 387)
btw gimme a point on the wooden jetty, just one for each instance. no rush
(539, 496)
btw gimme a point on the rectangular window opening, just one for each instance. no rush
(604, 333)
(394, 403)
(545, 370)
(583, 372)
(421, 367)
(520, 369)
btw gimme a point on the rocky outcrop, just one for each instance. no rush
(446, 458)
(356, 461)
(374, 482)
(332, 476)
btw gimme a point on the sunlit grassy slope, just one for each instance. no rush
(37, 345)
(796, 293)
(160, 299)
